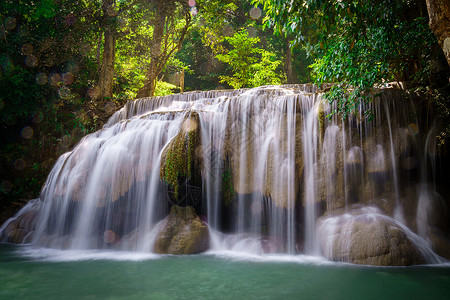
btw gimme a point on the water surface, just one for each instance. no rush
(27, 273)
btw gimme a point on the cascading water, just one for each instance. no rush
(267, 163)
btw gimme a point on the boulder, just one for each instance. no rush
(365, 236)
(182, 232)
(20, 229)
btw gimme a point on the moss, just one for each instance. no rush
(321, 121)
(227, 185)
(179, 157)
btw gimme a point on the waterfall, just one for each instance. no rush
(267, 164)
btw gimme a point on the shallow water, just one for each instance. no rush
(27, 273)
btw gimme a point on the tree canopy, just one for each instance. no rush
(358, 44)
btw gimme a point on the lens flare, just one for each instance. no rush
(94, 92)
(255, 13)
(109, 236)
(55, 79)
(68, 78)
(227, 30)
(19, 164)
(31, 61)
(41, 78)
(27, 132)
(110, 107)
(64, 92)
(27, 49)
(6, 186)
(251, 31)
(413, 128)
(10, 23)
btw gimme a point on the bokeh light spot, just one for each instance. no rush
(27, 49)
(70, 20)
(111, 11)
(37, 117)
(55, 79)
(6, 186)
(64, 92)
(109, 107)
(27, 132)
(10, 23)
(409, 163)
(109, 236)
(255, 13)
(41, 78)
(94, 92)
(31, 61)
(189, 125)
(19, 164)
(227, 30)
(251, 31)
(413, 128)
(68, 78)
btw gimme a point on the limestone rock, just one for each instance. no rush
(182, 232)
(366, 237)
(20, 229)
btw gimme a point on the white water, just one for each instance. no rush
(107, 192)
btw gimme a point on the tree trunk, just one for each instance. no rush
(439, 14)
(290, 76)
(107, 70)
(148, 90)
(106, 79)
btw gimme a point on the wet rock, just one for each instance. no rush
(20, 229)
(366, 237)
(182, 232)
(440, 242)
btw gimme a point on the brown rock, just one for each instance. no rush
(367, 238)
(182, 233)
(20, 228)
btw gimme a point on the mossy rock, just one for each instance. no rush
(182, 232)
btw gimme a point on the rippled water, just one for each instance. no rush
(27, 273)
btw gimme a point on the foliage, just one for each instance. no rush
(357, 44)
(227, 185)
(164, 88)
(252, 66)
